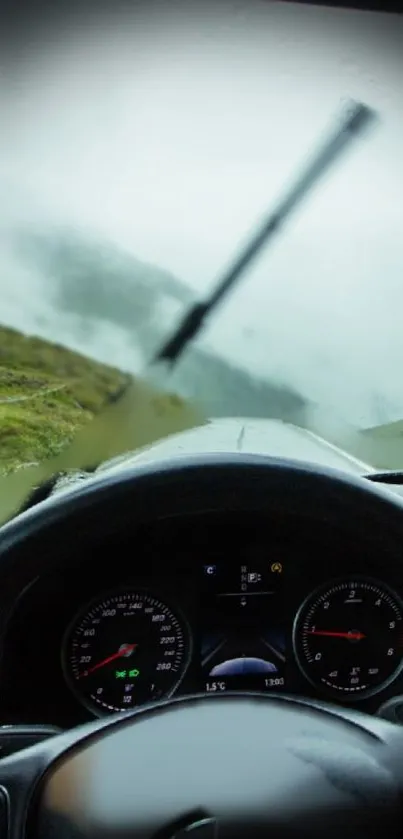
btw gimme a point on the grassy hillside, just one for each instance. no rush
(47, 393)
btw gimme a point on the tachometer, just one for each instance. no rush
(124, 650)
(348, 637)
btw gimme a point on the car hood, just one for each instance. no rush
(249, 436)
(273, 438)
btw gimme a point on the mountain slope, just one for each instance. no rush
(47, 393)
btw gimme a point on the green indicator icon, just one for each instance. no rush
(127, 674)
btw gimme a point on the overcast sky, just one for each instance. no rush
(172, 133)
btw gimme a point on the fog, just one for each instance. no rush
(171, 134)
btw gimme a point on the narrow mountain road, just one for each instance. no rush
(9, 400)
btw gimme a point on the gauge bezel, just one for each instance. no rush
(91, 706)
(313, 595)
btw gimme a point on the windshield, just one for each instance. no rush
(137, 154)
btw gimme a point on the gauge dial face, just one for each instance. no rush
(124, 650)
(348, 638)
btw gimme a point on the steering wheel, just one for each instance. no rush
(229, 765)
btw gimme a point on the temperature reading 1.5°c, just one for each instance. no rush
(213, 687)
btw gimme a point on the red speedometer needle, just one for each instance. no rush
(351, 636)
(124, 650)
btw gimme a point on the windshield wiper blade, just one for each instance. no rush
(356, 119)
(392, 477)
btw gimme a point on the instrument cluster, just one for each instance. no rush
(207, 606)
(131, 646)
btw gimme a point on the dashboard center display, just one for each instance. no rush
(243, 632)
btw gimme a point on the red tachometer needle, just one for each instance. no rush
(351, 636)
(122, 651)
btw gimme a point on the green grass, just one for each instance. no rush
(59, 392)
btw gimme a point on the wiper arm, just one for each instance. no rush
(357, 118)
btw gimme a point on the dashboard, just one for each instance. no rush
(208, 602)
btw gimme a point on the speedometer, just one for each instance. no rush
(348, 637)
(125, 649)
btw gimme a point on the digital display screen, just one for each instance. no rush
(242, 633)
